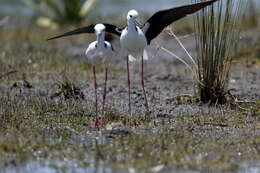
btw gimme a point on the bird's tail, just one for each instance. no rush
(133, 59)
(145, 55)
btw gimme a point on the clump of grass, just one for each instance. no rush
(217, 29)
(64, 11)
(68, 90)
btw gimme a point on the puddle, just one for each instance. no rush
(56, 167)
(98, 166)
(88, 165)
(250, 168)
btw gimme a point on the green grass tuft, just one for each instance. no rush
(217, 29)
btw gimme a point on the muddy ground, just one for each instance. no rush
(42, 119)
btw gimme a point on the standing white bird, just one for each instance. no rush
(133, 42)
(134, 38)
(99, 52)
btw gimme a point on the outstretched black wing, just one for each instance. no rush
(163, 18)
(90, 29)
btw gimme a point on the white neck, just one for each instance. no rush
(101, 39)
(131, 24)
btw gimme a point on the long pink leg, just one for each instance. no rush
(142, 82)
(96, 101)
(128, 83)
(104, 94)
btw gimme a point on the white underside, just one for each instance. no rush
(99, 54)
(134, 42)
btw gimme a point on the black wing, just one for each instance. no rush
(90, 29)
(164, 18)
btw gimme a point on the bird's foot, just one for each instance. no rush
(146, 107)
(98, 123)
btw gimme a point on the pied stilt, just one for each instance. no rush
(134, 38)
(99, 52)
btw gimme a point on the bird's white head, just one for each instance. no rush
(132, 15)
(99, 29)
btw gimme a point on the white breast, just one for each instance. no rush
(99, 53)
(134, 41)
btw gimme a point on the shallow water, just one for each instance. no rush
(95, 164)
(98, 166)
(55, 167)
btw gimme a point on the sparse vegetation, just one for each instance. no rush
(186, 142)
(33, 125)
(47, 112)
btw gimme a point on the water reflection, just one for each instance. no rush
(56, 167)
(94, 164)
(98, 166)
(97, 163)
(250, 168)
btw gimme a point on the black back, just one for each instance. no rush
(163, 18)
